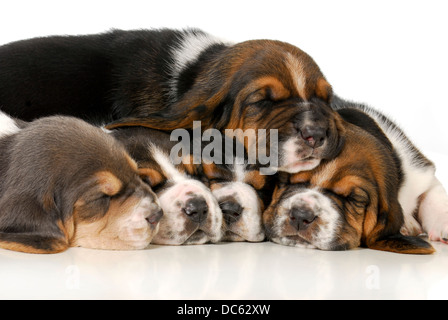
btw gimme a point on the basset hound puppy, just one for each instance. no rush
(366, 196)
(65, 183)
(167, 79)
(191, 213)
(242, 193)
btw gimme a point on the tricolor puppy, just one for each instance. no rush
(191, 213)
(65, 183)
(166, 79)
(422, 197)
(352, 200)
(241, 192)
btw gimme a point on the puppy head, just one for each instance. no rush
(68, 183)
(347, 202)
(239, 193)
(191, 213)
(116, 213)
(266, 85)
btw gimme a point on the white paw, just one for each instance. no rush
(439, 230)
(411, 227)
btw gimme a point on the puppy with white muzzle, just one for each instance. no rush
(191, 214)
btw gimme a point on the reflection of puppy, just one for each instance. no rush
(192, 214)
(238, 189)
(65, 183)
(346, 202)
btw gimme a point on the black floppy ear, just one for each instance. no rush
(26, 226)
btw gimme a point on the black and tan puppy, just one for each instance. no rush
(166, 79)
(65, 183)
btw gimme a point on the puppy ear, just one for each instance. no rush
(402, 244)
(156, 123)
(26, 226)
(385, 234)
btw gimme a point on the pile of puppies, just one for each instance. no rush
(85, 141)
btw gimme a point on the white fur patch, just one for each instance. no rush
(166, 165)
(291, 161)
(8, 126)
(297, 74)
(187, 51)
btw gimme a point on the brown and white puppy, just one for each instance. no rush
(346, 202)
(191, 213)
(65, 183)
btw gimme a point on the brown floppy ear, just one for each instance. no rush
(151, 122)
(385, 234)
(27, 227)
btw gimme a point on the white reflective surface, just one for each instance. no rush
(227, 271)
(224, 271)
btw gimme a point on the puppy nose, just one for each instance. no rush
(314, 136)
(301, 218)
(231, 211)
(155, 218)
(196, 209)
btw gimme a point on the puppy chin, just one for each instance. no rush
(296, 157)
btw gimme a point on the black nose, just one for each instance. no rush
(155, 217)
(196, 209)
(314, 136)
(231, 211)
(301, 218)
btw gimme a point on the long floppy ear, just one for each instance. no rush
(26, 226)
(157, 123)
(197, 104)
(385, 235)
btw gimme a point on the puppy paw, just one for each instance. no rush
(439, 230)
(411, 227)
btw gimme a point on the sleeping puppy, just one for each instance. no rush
(191, 213)
(347, 202)
(240, 191)
(167, 79)
(65, 183)
(422, 196)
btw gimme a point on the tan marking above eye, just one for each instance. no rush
(255, 179)
(154, 177)
(109, 184)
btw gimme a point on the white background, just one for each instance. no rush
(391, 54)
